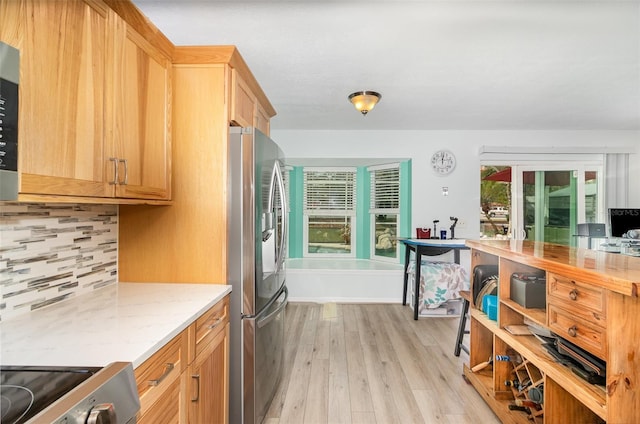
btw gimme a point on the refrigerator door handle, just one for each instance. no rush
(266, 320)
(283, 199)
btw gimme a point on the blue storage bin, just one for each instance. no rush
(490, 306)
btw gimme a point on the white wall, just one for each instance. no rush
(464, 183)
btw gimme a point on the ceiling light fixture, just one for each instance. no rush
(364, 101)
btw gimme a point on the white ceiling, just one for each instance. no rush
(439, 65)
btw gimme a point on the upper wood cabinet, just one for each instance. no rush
(246, 110)
(63, 57)
(140, 140)
(243, 102)
(94, 102)
(150, 238)
(262, 121)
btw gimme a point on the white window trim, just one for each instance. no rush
(330, 212)
(377, 211)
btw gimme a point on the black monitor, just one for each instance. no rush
(622, 220)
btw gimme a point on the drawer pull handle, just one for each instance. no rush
(573, 331)
(167, 370)
(573, 294)
(215, 323)
(197, 396)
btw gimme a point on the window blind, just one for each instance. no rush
(385, 189)
(329, 191)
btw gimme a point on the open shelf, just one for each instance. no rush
(539, 316)
(592, 396)
(483, 383)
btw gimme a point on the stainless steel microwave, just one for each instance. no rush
(9, 80)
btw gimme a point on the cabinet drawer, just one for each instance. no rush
(158, 373)
(581, 299)
(577, 330)
(166, 410)
(210, 323)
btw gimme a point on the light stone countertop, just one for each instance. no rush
(123, 322)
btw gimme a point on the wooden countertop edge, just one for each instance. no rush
(604, 276)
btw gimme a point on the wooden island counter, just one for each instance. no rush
(591, 301)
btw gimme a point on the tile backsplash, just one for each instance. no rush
(51, 252)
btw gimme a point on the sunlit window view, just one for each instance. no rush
(385, 210)
(495, 201)
(329, 234)
(547, 202)
(329, 211)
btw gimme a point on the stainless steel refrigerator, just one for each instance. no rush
(257, 244)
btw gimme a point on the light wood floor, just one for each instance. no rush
(372, 364)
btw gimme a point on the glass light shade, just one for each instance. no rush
(364, 101)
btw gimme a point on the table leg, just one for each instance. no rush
(456, 256)
(407, 257)
(416, 283)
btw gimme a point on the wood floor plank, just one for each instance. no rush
(353, 363)
(410, 351)
(339, 396)
(365, 329)
(296, 396)
(349, 317)
(429, 405)
(375, 316)
(322, 341)
(363, 418)
(338, 350)
(310, 326)
(339, 399)
(379, 387)
(359, 392)
(408, 411)
(317, 402)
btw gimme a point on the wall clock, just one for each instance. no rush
(443, 162)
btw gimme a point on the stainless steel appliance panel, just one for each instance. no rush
(256, 228)
(263, 358)
(66, 395)
(9, 80)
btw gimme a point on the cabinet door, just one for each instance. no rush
(261, 120)
(62, 92)
(209, 385)
(139, 118)
(243, 101)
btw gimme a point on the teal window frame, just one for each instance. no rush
(363, 217)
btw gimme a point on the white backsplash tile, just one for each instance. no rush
(51, 252)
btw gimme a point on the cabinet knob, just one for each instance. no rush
(573, 294)
(573, 331)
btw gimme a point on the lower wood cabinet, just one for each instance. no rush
(166, 410)
(187, 380)
(157, 379)
(209, 382)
